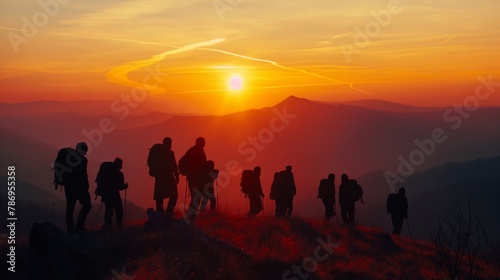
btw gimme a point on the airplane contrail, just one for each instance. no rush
(119, 74)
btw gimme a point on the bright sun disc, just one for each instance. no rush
(235, 82)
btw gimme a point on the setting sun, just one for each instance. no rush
(235, 82)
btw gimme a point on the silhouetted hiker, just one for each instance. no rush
(289, 191)
(397, 206)
(326, 191)
(211, 175)
(349, 192)
(255, 193)
(110, 181)
(77, 189)
(163, 166)
(193, 165)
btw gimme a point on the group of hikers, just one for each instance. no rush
(70, 171)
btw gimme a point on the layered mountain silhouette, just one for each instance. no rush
(363, 139)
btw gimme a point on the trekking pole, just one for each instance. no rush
(356, 216)
(98, 211)
(125, 211)
(408, 224)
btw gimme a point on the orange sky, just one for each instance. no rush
(414, 52)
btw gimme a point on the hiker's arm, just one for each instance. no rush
(176, 168)
(121, 182)
(84, 172)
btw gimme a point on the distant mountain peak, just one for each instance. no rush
(293, 100)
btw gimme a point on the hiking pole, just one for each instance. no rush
(356, 216)
(408, 224)
(98, 211)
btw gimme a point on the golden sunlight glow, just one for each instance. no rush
(235, 82)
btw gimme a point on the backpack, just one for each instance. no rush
(184, 165)
(324, 185)
(357, 190)
(246, 181)
(63, 166)
(278, 186)
(392, 203)
(156, 157)
(105, 178)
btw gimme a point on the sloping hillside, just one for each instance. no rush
(217, 246)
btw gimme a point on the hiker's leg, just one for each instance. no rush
(397, 221)
(326, 210)
(280, 208)
(290, 207)
(117, 206)
(211, 197)
(204, 202)
(250, 210)
(196, 197)
(352, 219)
(212, 203)
(84, 199)
(172, 201)
(343, 213)
(331, 212)
(70, 208)
(159, 205)
(108, 212)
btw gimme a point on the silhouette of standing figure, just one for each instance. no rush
(289, 191)
(326, 192)
(77, 189)
(277, 194)
(111, 181)
(346, 200)
(196, 161)
(255, 194)
(400, 211)
(211, 174)
(167, 178)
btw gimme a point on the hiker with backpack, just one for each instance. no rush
(110, 181)
(282, 192)
(326, 192)
(70, 171)
(193, 166)
(252, 187)
(289, 191)
(163, 166)
(397, 206)
(211, 174)
(349, 192)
